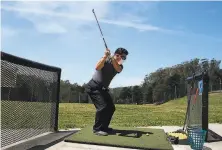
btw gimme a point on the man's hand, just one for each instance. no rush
(107, 53)
(101, 62)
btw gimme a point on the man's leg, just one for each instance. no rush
(101, 106)
(110, 109)
(101, 112)
(94, 93)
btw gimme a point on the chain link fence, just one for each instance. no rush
(29, 99)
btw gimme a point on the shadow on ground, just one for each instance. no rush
(129, 133)
(45, 146)
(52, 139)
(206, 148)
(43, 142)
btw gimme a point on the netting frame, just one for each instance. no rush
(205, 79)
(203, 76)
(29, 63)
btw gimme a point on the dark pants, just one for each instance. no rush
(103, 102)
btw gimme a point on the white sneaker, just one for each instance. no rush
(101, 133)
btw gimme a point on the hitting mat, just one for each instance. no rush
(138, 138)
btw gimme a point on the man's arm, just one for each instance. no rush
(101, 62)
(116, 65)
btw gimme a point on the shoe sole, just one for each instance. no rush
(96, 133)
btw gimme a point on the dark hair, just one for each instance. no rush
(121, 50)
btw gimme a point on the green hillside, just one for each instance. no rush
(72, 115)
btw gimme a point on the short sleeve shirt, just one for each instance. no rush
(106, 74)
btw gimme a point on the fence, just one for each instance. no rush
(215, 87)
(29, 99)
(75, 97)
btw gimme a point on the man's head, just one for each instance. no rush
(120, 54)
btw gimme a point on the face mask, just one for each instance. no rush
(121, 61)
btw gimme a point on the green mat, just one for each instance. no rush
(125, 137)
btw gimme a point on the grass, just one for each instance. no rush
(18, 115)
(75, 115)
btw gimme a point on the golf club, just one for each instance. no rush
(100, 29)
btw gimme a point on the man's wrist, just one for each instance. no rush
(105, 56)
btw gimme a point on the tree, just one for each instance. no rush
(219, 76)
(170, 82)
(147, 93)
(158, 93)
(137, 95)
(126, 94)
(72, 92)
(213, 69)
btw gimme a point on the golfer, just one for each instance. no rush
(98, 89)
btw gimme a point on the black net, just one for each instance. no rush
(198, 102)
(197, 95)
(29, 99)
(195, 103)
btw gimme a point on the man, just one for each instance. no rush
(98, 89)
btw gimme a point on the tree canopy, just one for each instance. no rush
(159, 86)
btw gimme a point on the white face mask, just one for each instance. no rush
(121, 61)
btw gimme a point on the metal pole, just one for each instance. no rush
(132, 98)
(220, 85)
(57, 100)
(175, 92)
(69, 93)
(164, 96)
(79, 97)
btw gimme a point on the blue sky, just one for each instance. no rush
(156, 34)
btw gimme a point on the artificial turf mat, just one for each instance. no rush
(125, 137)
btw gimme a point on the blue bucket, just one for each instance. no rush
(196, 137)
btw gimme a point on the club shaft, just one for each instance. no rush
(99, 28)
